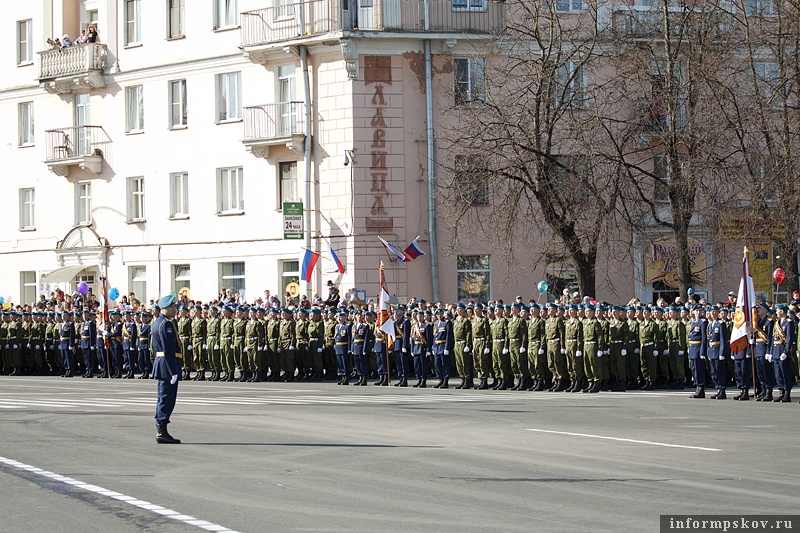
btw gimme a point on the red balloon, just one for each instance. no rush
(779, 275)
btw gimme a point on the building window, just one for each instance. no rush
(83, 203)
(133, 22)
(231, 276)
(179, 194)
(226, 13)
(662, 175)
(571, 85)
(177, 15)
(560, 274)
(27, 287)
(765, 8)
(768, 82)
(471, 178)
(569, 6)
(290, 277)
(570, 173)
(287, 95)
(24, 42)
(136, 199)
(474, 278)
(470, 80)
(137, 276)
(27, 202)
(469, 5)
(134, 100)
(229, 96)
(181, 276)
(288, 183)
(26, 124)
(179, 116)
(230, 190)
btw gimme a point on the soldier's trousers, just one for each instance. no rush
(304, 362)
(742, 372)
(633, 364)
(287, 362)
(200, 356)
(574, 362)
(592, 363)
(442, 363)
(256, 357)
(88, 359)
(228, 361)
(380, 361)
(318, 359)
(215, 359)
(556, 361)
(784, 373)
(537, 362)
(421, 366)
(676, 364)
(648, 362)
(401, 364)
(663, 363)
(37, 356)
(188, 356)
(698, 367)
(329, 361)
(765, 373)
(617, 362)
(66, 356)
(463, 359)
(718, 376)
(501, 362)
(239, 357)
(482, 361)
(518, 361)
(144, 361)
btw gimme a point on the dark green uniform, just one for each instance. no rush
(537, 352)
(647, 342)
(239, 328)
(573, 336)
(676, 340)
(481, 346)
(184, 332)
(592, 355)
(501, 362)
(199, 344)
(287, 343)
(226, 343)
(518, 348)
(556, 351)
(462, 336)
(253, 343)
(213, 340)
(316, 347)
(273, 348)
(617, 333)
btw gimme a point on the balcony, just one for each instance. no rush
(274, 125)
(315, 18)
(80, 145)
(647, 23)
(73, 69)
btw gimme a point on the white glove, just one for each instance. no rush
(655, 353)
(505, 351)
(52, 347)
(15, 347)
(29, 346)
(624, 352)
(768, 357)
(405, 351)
(599, 353)
(485, 351)
(319, 350)
(279, 349)
(578, 353)
(189, 347)
(636, 350)
(541, 352)
(429, 354)
(466, 349)
(205, 346)
(6, 346)
(174, 379)
(231, 346)
(93, 347)
(563, 351)
(783, 357)
(258, 348)
(522, 350)
(722, 357)
(291, 348)
(216, 346)
(69, 347)
(447, 352)
(703, 357)
(680, 352)
(38, 346)
(245, 349)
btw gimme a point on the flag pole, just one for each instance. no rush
(751, 330)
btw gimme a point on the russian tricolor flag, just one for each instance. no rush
(413, 251)
(339, 265)
(309, 262)
(393, 250)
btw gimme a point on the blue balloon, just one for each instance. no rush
(542, 287)
(690, 291)
(113, 293)
(2, 300)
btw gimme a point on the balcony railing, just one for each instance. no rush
(83, 146)
(72, 61)
(317, 17)
(274, 121)
(644, 22)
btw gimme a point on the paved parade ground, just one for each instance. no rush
(80, 455)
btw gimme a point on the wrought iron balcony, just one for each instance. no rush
(274, 125)
(311, 18)
(72, 69)
(83, 146)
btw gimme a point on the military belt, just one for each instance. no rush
(777, 343)
(144, 339)
(617, 342)
(341, 344)
(86, 336)
(440, 341)
(226, 338)
(695, 342)
(714, 343)
(499, 340)
(554, 340)
(252, 338)
(572, 340)
(64, 338)
(239, 337)
(161, 354)
(359, 341)
(479, 339)
(674, 340)
(461, 342)
(648, 344)
(313, 338)
(589, 342)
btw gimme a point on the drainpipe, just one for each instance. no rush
(307, 154)
(431, 164)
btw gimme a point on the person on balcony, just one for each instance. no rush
(65, 41)
(91, 34)
(82, 39)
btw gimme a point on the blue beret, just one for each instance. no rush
(439, 310)
(166, 301)
(490, 308)
(478, 305)
(524, 308)
(301, 310)
(407, 315)
(461, 305)
(428, 313)
(448, 314)
(715, 308)
(791, 312)
(534, 305)
(764, 305)
(371, 313)
(782, 306)
(421, 301)
(198, 307)
(316, 310)
(212, 308)
(342, 312)
(517, 305)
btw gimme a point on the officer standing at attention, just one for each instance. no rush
(717, 339)
(66, 343)
(143, 341)
(783, 339)
(167, 367)
(764, 368)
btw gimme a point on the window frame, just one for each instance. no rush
(134, 116)
(176, 8)
(179, 183)
(222, 9)
(223, 99)
(135, 273)
(179, 280)
(223, 277)
(182, 105)
(466, 6)
(136, 198)
(83, 203)
(133, 23)
(292, 165)
(570, 7)
(28, 288)
(224, 184)
(566, 76)
(287, 276)
(27, 208)
(475, 91)
(24, 45)
(25, 124)
(762, 8)
(462, 272)
(465, 168)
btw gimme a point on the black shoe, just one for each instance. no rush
(445, 384)
(462, 385)
(787, 397)
(483, 385)
(720, 395)
(163, 436)
(779, 398)
(438, 385)
(345, 380)
(417, 384)
(402, 383)
(423, 383)
(700, 392)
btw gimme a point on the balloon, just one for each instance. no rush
(690, 291)
(542, 287)
(6, 305)
(779, 275)
(113, 294)
(2, 300)
(83, 287)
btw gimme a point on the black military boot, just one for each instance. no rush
(445, 383)
(700, 392)
(385, 382)
(201, 376)
(163, 436)
(379, 382)
(461, 385)
(779, 397)
(787, 396)
(439, 384)
(539, 386)
(469, 384)
(505, 383)
(423, 383)
(720, 395)
(483, 384)
(345, 380)
(417, 384)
